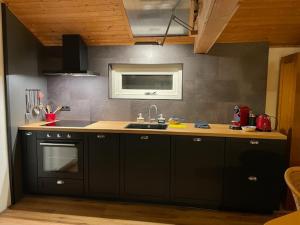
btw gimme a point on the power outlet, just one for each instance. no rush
(65, 108)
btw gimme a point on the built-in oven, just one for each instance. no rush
(60, 155)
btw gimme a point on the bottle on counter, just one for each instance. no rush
(140, 118)
(252, 119)
(161, 119)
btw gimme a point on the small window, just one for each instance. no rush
(145, 81)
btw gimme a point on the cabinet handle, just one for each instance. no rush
(197, 139)
(252, 178)
(144, 137)
(60, 182)
(28, 133)
(57, 144)
(254, 142)
(100, 136)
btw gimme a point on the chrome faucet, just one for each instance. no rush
(152, 120)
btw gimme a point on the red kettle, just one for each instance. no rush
(263, 122)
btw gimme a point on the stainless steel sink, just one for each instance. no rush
(146, 126)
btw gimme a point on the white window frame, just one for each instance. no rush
(115, 81)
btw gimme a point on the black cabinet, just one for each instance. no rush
(145, 167)
(253, 175)
(103, 165)
(197, 170)
(30, 162)
(234, 173)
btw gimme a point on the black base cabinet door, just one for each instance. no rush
(254, 171)
(104, 165)
(30, 171)
(197, 170)
(145, 167)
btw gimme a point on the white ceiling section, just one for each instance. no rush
(151, 17)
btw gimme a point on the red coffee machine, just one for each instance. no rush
(240, 117)
(263, 123)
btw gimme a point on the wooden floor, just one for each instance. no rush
(41, 210)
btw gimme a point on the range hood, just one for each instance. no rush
(74, 57)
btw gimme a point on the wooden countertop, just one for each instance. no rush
(217, 130)
(289, 219)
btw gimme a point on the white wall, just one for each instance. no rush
(4, 173)
(275, 54)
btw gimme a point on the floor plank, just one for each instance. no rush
(47, 210)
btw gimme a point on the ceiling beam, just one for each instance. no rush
(213, 16)
(170, 40)
(126, 20)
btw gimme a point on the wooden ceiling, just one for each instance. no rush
(273, 21)
(104, 22)
(100, 22)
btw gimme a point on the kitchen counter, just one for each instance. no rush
(217, 130)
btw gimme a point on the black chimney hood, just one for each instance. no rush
(75, 58)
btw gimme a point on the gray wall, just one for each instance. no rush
(212, 84)
(22, 71)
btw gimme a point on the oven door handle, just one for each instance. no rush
(57, 144)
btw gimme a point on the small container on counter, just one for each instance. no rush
(50, 117)
(252, 119)
(161, 119)
(140, 118)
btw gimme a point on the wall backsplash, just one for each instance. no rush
(212, 84)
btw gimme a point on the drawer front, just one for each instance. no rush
(256, 143)
(57, 186)
(255, 153)
(56, 135)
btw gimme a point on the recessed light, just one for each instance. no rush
(148, 7)
(165, 6)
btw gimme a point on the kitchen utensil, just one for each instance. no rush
(57, 109)
(263, 122)
(42, 107)
(48, 108)
(249, 128)
(27, 113)
(36, 107)
(29, 101)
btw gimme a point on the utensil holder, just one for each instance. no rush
(50, 117)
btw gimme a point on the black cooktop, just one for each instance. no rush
(69, 123)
